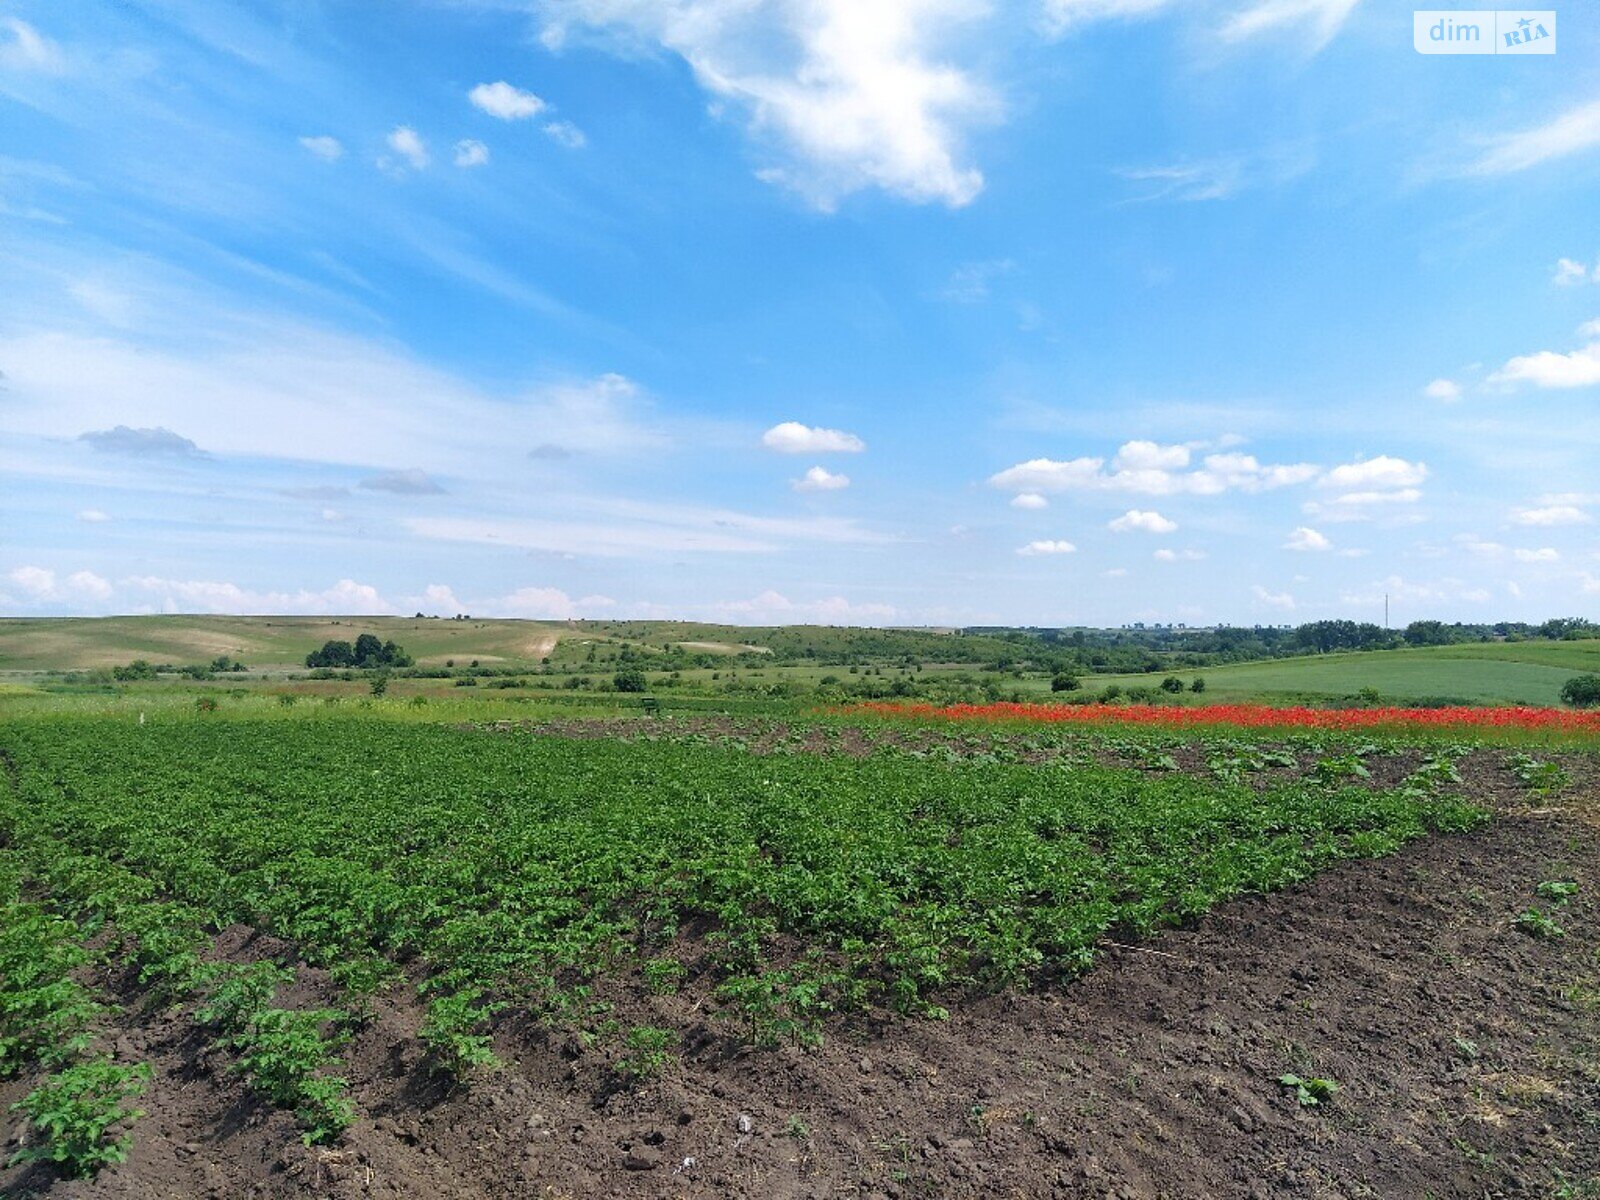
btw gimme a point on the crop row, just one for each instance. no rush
(518, 870)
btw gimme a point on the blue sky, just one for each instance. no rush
(917, 312)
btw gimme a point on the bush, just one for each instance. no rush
(1582, 691)
(1064, 681)
(1172, 684)
(1199, 685)
(629, 681)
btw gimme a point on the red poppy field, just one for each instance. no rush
(1253, 716)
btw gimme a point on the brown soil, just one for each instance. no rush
(1468, 1055)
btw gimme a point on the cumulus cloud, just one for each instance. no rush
(542, 604)
(471, 153)
(1443, 389)
(1152, 469)
(1382, 473)
(565, 133)
(1272, 599)
(1140, 521)
(1029, 500)
(772, 607)
(820, 479)
(1169, 556)
(843, 95)
(1550, 515)
(408, 144)
(1566, 134)
(41, 586)
(1306, 538)
(410, 482)
(1046, 547)
(221, 596)
(791, 437)
(328, 149)
(503, 100)
(1542, 555)
(159, 442)
(1552, 369)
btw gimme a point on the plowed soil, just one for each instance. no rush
(1467, 1054)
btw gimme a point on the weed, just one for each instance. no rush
(1310, 1092)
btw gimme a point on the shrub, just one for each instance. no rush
(1172, 684)
(1199, 685)
(1064, 681)
(629, 681)
(1582, 691)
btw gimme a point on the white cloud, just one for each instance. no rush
(791, 437)
(567, 134)
(542, 604)
(411, 482)
(1137, 520)
(1544, 554)
(440, 599)
(1179, 555)
(820, 479)
(1033, 549)
(28, 49)
(503, 100)
(221, 596)
(848, 95)
(42, 586)
(1590, 329)
(1569, 273)
(1150, 456)
(1319, 20)
(471, 153)
(1443, 389)
(1550, 369)
(1306, 538)
(1550, 515)
(969, 283)
(1063, 16)
(1375, 474)
(1116, 573)
(1152, 469)
(328, 149)
(93, 515)
(406, 142)
(1575, 130)
(1029, 500)
(1473, 544)
(771, 607)
(1273, 599)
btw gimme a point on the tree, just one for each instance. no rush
(1064, 681)
(1172, 684)
(380, 683)
(1199, 685)
(369, 650)
(368, 653)
(1582, 691)
(629, 681)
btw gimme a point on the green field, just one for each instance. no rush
(530, 871)
(1498, 672)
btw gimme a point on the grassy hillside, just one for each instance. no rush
(260, 642)
(80, 643)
